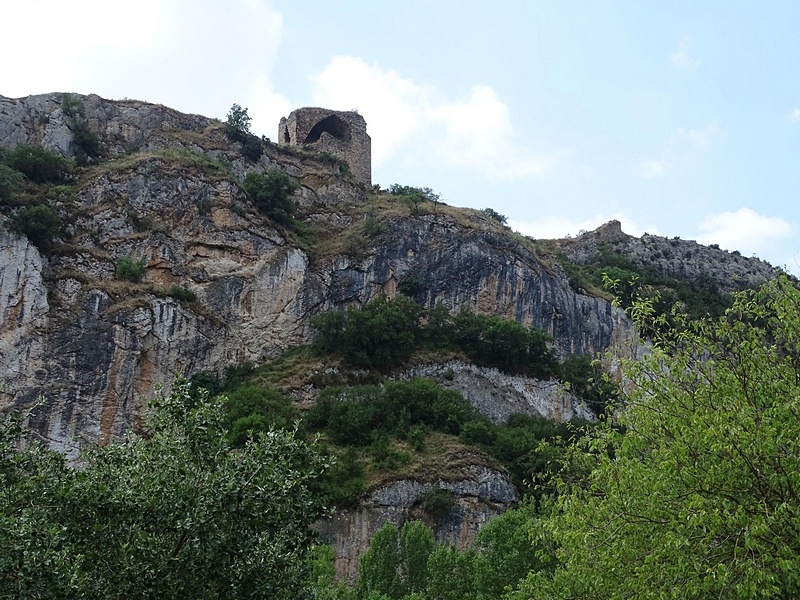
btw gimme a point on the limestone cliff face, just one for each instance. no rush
(94, 348)
(478, 492)
(223, 284)
(498, 395)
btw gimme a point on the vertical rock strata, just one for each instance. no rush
(92, 348)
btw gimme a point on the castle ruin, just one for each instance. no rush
(342, 134)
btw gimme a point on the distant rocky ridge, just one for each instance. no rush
(682, 259)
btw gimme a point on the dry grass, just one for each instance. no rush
(180, 158)
(442, 457)
(292, 370)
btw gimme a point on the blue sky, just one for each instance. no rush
(677, 118)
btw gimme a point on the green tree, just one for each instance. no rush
(272, 194)
(253, 409)
(238, 120)
(38, 164)
(416, 545)
(11, 181)
(86, 145)
(414, 197)
(493, 214)
(451, 574)
(40, 223)
(507, 551)
(382, 335)
(173, 513)
(237, 127)
(700, 497)
(377, 569)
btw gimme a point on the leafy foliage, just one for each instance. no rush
(237, 120)
(237, 127)
(699, 497)
(86, 145)
(11, 181)
(412, 566)
(414, 197)
(129, 269)
(699, 296)
(493, 214)
(251, 410)
(40, 223)
(174, 514)
(181, 293)
(530, 448)
(381, 336)
(353, 415)
(38, 164)
(384, 334)
(271, 192)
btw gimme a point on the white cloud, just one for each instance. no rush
(684, 147)
(794, 116)
(407, 120)
(682, 57)
(559, 226)
(395, 107)
(744, 230)
(199, 56)
(650, 168)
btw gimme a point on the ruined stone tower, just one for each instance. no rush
(340, 133)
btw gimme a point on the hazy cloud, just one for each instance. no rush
(650, 169)
(744, 230)
(684, 147)
(682, 56)
(158, 51)
(795, 115)
(406, 120)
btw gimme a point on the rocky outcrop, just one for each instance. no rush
(94, 348)
(682, 259)
(478, 493)
(499, 395)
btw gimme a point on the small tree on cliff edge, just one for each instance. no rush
(237, 120)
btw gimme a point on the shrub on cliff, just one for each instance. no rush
(381, 335)
(129, 269)
(40, 223)
(237, 127)
(272, 192)
(11, 182)
(38, 164)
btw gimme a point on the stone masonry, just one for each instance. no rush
(342, 134)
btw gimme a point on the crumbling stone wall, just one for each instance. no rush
(340, 133)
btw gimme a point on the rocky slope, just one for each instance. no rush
(94, 347)
(224, 285)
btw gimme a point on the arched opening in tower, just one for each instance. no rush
(332, 125)
(286, 137)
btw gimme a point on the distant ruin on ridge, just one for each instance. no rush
(342, 134)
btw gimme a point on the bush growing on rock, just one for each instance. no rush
(11, 181)
(38, 164)
(40, 223)
(129, 269)
(272, 192)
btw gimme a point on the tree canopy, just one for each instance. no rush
(172, 513)
(695, 492)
